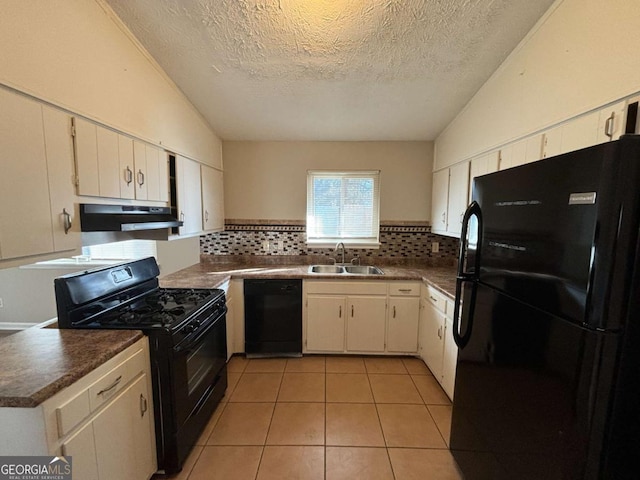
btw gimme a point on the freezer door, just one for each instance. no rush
(522, 404)
(540, 223)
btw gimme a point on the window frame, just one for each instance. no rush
(370, 242)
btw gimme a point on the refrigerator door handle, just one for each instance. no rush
(464, 276)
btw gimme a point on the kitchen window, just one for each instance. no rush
(343, 207)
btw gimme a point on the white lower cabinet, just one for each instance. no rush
(104, 421)
(358, 317)
(437, 347)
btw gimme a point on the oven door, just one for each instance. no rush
(199, 382)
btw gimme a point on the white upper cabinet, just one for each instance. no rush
(25, 216)
(212, 199)
(60, 167)
(439, 201)
(86, 151)
(611, 122)
(127, 167)
(189, 195)
(458, 197)
(482, 165)
(108, 163)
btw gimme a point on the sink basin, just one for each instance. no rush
(326, 269)
(350, 269)
(363, 270)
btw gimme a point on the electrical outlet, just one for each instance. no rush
(265, 246)
(435, 247)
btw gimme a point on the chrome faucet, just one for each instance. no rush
(340, 244)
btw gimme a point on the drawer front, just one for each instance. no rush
(405, 289)
(109, 385)
(436, 299)
(347, 288)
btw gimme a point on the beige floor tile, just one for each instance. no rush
(189, 463)
(204, 436)
(353, 424)
(430, 390)
(232, 381)
(242, 424)
(314, 363)
(227, 463)
(297, 424)
(266, 365)
(416, 366)
(409, 426)
(442, 416)
(384, 365)
(237, 363)
(348, 387)
(345, 365)
(423, 464)
(302, 387)
(292, 463)
(394, 389)
(351, 463)
(257, 387)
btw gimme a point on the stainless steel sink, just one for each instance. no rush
(330, 269)
(363, 270)
(346, 269)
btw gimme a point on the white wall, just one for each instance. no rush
(582, 54)
(74, 54)
(268, 180)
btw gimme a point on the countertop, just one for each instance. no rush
(211, 275)
(37, 363)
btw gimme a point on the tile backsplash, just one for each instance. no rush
(400, 241)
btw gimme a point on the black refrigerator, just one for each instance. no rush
(548, 290)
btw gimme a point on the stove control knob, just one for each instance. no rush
(190, 328)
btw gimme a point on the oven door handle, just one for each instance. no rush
(189, 343)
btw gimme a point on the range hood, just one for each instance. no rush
(125, 218)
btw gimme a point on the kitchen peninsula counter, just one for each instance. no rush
(37, 363)
(213, 275)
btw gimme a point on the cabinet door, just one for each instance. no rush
(482, 165)
(366, 323)
(86, 150)
(122, 435)
(552, 143)
(212, 199)
(142, 424)
(152, 174)
(458, 201)
(108, 163)
(611, 122)
(325, 323)
(81, 446)
(433, 337)
(439, 200)
(140, 169)
(580, 132)
(127, 167)
(25, 213)
(449, 359)
(163, 176)
(402, 332)
(189, 195)
(59, 151)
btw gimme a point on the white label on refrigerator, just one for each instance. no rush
(586, 198)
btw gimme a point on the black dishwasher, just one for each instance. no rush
(273, 317)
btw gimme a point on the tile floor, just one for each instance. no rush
(327, 418)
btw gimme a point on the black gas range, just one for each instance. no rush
(187, 337)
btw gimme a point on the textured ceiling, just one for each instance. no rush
(329, 69)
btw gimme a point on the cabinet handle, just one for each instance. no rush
(143, 405)
(440, 332)
(608, 126)
(340, 311)
(394, 311)
(433, 299)
(351, 311)
(128, 175)
(405, 290)
(140, 178)
(182, 216)
(206, 215)
(461, 217)
(110, 387)
(444, 217)
(66, 221)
